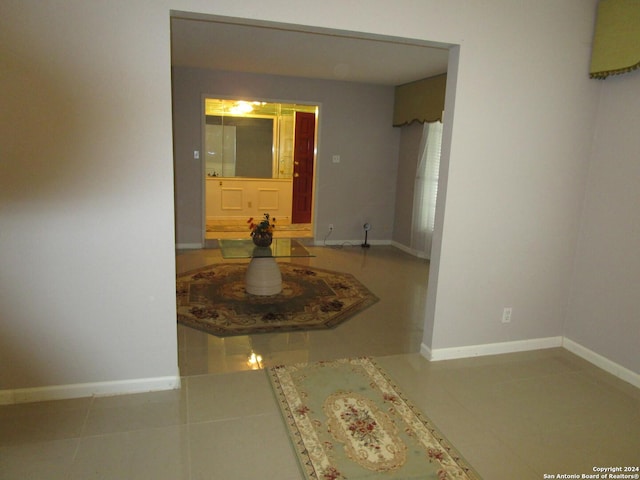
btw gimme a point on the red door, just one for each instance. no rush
(304, 147)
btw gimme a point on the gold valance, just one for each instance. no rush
(421, 101)
(616, 40)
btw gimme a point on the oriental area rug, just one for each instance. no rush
(347, 420)
(213, 299)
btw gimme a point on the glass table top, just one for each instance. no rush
(281, 247)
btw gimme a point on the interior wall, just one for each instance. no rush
(604, 307)
(354, 123)
(516, 166)
(87, 276)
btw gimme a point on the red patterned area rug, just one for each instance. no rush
(347, 420)
(213, 299)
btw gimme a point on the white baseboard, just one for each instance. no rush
(319, 242)
(348, 243)
(604, 363)
(489, 348)
(61, 392)
(189, 246)
(596, 359)
(409, 250)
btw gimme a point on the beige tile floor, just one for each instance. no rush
(514, 416)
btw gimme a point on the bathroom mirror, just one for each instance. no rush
(240, 146)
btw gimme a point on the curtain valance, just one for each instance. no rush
(616, 40)
(421, 101)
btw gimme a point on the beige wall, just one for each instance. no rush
(87, 278)
(604, 306)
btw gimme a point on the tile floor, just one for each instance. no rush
(515, 416)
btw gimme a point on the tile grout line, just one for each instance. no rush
(82, 430)
(185, 381)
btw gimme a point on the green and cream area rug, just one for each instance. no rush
(348, 421)
(213, 299)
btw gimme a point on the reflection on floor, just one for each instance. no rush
(514, 416)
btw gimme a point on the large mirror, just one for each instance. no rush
(250, 139)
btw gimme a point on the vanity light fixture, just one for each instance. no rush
(242, 107)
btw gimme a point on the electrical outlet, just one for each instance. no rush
(331, 227)
(506, 314)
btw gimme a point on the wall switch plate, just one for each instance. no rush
(335, 159)
(196, 154)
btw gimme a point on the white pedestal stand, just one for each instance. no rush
(263, 276)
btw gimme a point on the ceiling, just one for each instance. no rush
(300, 52)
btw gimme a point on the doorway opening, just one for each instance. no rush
(259, 157)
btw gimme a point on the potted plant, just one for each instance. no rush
(262, 232)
